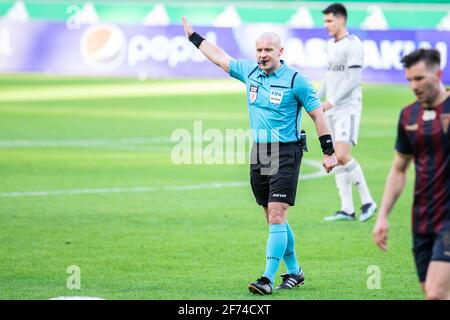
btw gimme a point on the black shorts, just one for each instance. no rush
(274, 172)
(430, 247)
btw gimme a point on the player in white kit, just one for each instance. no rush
(343, 106)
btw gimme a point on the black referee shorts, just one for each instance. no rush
(430, 247)
(274, 172)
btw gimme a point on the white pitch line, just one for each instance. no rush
(118, 190)
(163, 140)
(83, 142)
(218, 185)
(123, 90)
(76, 298)
(111, 142)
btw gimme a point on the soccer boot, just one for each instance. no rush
(367, 211)
(291, 280)
(341, 215)
(261, 286)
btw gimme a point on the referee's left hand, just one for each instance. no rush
(188, 29)
(329, 162)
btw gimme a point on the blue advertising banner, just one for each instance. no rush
(164, 52)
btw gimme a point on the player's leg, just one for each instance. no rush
(343, 184)
(294, 275)
(422, 286)
(349, 172)
(285, 183)
(259, 182)
(355, 172)
(266, 213)
(437, 286)
(289, 257)
(277, 240)
(343, 181)
(275, 247)
(293, 268)
(282, 188)
(260, 188)
(280, 198)
(422, 248)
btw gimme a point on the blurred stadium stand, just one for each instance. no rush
(372, 15)
(145, 39)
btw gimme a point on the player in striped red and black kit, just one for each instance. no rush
(423, 135)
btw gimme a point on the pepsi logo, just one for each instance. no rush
(103, 47)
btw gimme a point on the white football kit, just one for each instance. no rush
(342, 87)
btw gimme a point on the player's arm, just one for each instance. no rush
(214, 53)
(395, 184)
(326, 143)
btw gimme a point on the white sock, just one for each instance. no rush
(356, 177)
(344, 186)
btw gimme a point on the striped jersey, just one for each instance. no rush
(424, 134)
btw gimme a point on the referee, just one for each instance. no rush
(276, 95)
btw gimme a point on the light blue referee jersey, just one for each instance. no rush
(275, 102)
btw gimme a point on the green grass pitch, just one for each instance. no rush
(180, 238)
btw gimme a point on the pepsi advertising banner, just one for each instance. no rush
(165, 52)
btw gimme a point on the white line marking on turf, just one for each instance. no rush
(118, 142)
(119, 190)
(218, 185)
(114, 90)
(83, 142)
(76, 298)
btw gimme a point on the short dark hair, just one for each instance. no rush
(337, 9)
(431, 57)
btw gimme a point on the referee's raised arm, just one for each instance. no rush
(214, 53)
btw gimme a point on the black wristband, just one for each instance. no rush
(326, 143)
(196, 39)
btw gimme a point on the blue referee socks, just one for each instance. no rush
(290, 259)
(275, 249)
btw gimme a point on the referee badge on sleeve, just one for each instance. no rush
(253, 93)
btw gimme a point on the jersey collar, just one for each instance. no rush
(278, 73)
(342, 38)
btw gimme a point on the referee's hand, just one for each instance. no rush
(329, 162)
(188, 29)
